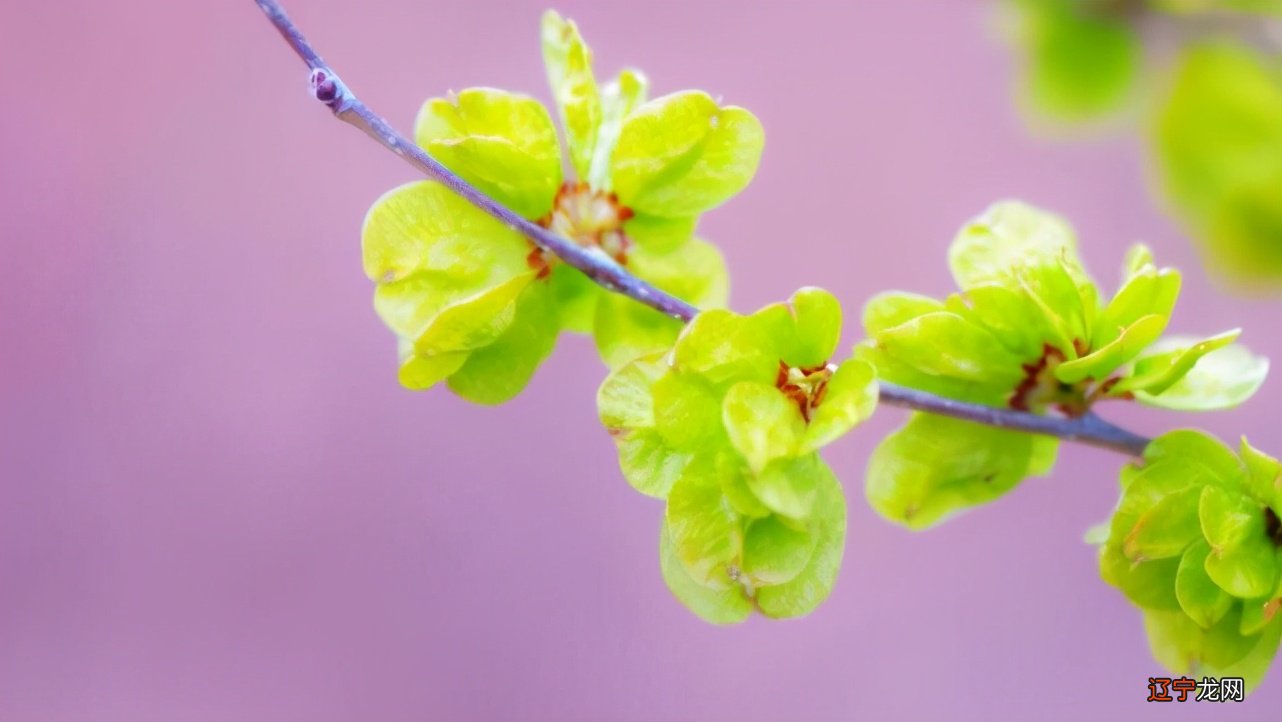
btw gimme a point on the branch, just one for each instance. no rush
(330, 90)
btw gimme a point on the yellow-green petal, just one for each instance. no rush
(503, 143)
(568, 62)
(681, 155)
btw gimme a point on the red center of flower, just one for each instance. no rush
(1040, 389)
(804, 386)
(589, 217)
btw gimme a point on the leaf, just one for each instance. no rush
(569, 68)
(503, 143)
(892, 308)
(648, 463)
(775, 552)
(425, 230)
(935, 466)
(1011, 235)
(1185, 648)
(1081, 64)
(788, 486)
(475, 322)
(1149, 585)
(806, 591)
(723, 346)
(1243, 560)
(659, 233)
(499, 371)
(1166, 528)
(619, 98)
(945, 344)
(1148, 292)
(624, 329)
(418, 373)
(762, 423)
(817, 317)
(1192, 449)
(1220, 379)
(687, 411)
(1264, 476)
(680, 155)
(849, 399)
(1218, 146)
(725, 604)
(1199, 597)
(705, 532)
(1125, 346)
(1164, 363)
(1009, 315)
(577, 297)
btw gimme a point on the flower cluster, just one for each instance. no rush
(1196, 543)
(725, 426)
(1028, 331)
(475, 303)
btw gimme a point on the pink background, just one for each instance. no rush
(216, 503)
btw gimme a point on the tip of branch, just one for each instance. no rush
(324, 85)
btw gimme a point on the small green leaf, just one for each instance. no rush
(687, 411)
(681, 155)
(849, 399)
(935, 466)
(659, 233)
(1081, 63)
(1185, 648)
(1264, 476)
(762, 423)
(648, 463)
(1243, 560)
(804, 592)
(723, 346)
(1007, 237)
(1166, 528)
(775, 552)
(499, 371)
(569, 67)
(503, 143)
(418, 373)
(1164, 363)
(1149, 585)
(1148, 292)
(705, 531)
(577, 297)
(619, 98)
(1101, 362)
(817, 314)
(788, 486)
(891, 308)
(1008, 314)
(469, 323)
(1189, 448)
(1220, 379)
(1200, 598)
(724, 604)
(945, 344)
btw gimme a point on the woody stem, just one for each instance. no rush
(330, 90)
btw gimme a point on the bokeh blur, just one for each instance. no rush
(217, 503)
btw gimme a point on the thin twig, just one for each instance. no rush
(330, 90)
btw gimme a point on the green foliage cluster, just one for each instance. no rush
(1196, 544)
(726, 427)
(724, 418)
(473, 302)
(1214, 125)
(1028, 329)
